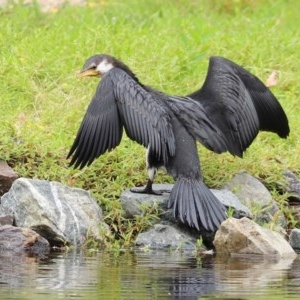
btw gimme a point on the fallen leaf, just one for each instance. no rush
(272, 79)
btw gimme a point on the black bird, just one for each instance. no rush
(226, 114)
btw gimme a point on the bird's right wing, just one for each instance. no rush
(101, 128)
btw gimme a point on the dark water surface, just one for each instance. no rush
(147, 275)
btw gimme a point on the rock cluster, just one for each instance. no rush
(246, 197)
(36, 215)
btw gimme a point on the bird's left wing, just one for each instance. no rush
(271, 115)
(101, 128)
(239, 104)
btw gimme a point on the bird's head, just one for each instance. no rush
(98, 65)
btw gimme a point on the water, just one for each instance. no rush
(147, 275)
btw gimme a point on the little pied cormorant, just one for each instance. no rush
(225, 114)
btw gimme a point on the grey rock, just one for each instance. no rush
(292, 184)
(244, 236)
(254, 195)
(294, 238)
(61, 214)
(6, 220)
(230, 200)
(16, 240)
(7, 177)
(132, 203)
(248, 189)
(163, 236)
(295, 208)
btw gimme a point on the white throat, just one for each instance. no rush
(104, 67)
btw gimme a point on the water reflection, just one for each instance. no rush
(53, 272)
(147, 275)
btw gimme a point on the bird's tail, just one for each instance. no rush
(195, 205)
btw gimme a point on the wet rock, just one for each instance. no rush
(7, 177)
(61, 214)
(254, 195)
(294, 238)
(6, 220)
(16, 240)
(244, 236)
(162, 236)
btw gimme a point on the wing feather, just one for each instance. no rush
(100, 130)
(145, 116)
(271, 115)
(239, 104)
(193, 116)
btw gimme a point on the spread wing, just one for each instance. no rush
(101, 129)
(239, 104)
(122, 102)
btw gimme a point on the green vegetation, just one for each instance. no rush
(167, 44)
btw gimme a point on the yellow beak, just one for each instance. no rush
(89, 72)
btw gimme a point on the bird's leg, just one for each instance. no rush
(148, 188)
(152, 164)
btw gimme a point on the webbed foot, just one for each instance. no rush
(146, 190)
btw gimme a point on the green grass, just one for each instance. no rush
(167, 44)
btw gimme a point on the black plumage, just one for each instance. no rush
(239, 104)
(226, 114)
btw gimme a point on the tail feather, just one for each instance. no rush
(195, 205)
(190, 211)
(203, 206)
(177, 195)
(214, 217)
